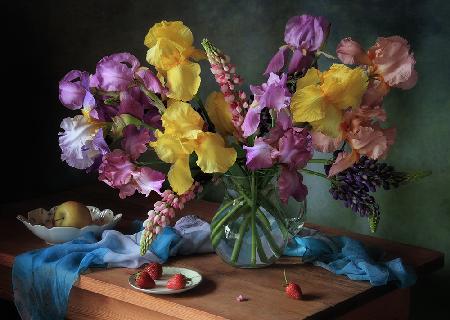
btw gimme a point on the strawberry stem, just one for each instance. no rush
(284, 273)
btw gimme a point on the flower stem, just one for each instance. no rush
(223, 208)
(315, 173)
(155, 99)
(262, 255)
(148, 163)
(238, 243)
(253, 218)
(216, 238)
(204, 112)
(227, 217)
(272, 116)
(263, 218)
(319, 161)
(270, 239)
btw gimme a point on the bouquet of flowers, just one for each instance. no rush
(146, 129)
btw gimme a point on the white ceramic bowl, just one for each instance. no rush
(40, 222)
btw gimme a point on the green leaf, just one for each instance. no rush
(123, 120)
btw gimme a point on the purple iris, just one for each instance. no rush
(97, 146)
(150, 81)
(135, 140)
(74, 90)
(273, 94)
(115, 72)
(289, 146)
(304, 35)
(130, 104)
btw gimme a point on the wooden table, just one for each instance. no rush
(105, 294)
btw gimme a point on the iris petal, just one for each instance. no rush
(183, 80)
(212, 154)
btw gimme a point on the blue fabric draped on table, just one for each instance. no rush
(42, 279)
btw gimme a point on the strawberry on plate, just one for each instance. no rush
(154, 270)
(144, 280)
(177, 282)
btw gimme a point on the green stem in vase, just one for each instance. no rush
(261, 253)
(254, 241)
(262, 217)
(253, 218)
(216, 238)
(270, 239)
(242, 193)
(222, 209)
(238, 243)
(226, 218)
(275, 214)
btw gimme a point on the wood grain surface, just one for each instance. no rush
(106, 294)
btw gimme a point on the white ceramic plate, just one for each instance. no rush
(195, 279)
(40, 223)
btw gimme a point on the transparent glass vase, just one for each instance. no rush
(252, 226)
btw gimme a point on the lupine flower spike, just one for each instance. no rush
(352, 186)
(225, 74)
(164, 211)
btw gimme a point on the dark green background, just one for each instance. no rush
(45, 39)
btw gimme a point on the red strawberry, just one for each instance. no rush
(154, 270)
(144, 281)
(292, 289)
(176, 282)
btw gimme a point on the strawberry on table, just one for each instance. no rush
(292, 289)
(144, 280)
(177, 281)
(154, 270)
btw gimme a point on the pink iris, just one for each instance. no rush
(119, 172)
(288, 146)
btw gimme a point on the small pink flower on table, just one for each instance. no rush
(241, 298)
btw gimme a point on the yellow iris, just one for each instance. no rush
(321, 98)
(220, 113)
(183, 135)
(170, 46)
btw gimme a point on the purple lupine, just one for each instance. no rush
(354, 185)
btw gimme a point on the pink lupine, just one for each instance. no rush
(164, 211)
(225, 74)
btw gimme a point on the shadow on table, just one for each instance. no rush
(205, 287)
(8, 310)
(430, 297)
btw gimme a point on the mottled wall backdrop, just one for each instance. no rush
(45, 39)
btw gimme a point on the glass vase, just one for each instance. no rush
(252, 226)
